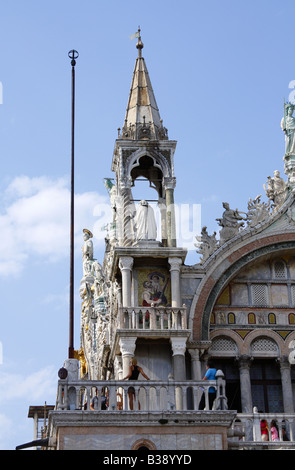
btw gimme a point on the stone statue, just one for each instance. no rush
(111, 188)
(257, 211)
(87, 251)
(112, 227)
(288, 126)
(97, 270)
(98, 285)
(276, 190)
(145, 222)
(207, 244)
(230, 223)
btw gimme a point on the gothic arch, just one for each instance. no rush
(160, 162)
(225, 270)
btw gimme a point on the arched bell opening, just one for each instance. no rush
(147, 169)
(147, 184)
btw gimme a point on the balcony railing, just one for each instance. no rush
(150, 395)
(152, 318)
(247, 426)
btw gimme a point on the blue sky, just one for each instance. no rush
(220, 71)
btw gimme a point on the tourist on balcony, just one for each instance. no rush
(103, 401)
(210, 375)
(274, 431)
(134, 371)
(264, 430)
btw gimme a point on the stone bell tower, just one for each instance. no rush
(143, 150)
(143, 258)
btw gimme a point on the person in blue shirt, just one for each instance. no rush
(210, 375)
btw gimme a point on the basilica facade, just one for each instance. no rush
(235, 307)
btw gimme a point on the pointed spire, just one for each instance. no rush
(142, 119)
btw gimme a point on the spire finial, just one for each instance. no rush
(139, 44)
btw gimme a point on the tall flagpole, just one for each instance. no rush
(73, 55)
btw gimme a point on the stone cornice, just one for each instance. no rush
(82, 418)
(142, 252)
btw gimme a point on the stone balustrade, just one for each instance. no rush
(152, 318)
(246, 428)
(150, 395)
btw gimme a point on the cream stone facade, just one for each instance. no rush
(236, 306)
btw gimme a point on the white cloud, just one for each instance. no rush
(35, 221)
(5, 424)
(6, 430)
(34, 386)
(19, 391)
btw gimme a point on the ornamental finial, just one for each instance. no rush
(139, 44)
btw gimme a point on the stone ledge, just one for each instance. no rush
(82, 418)
(250, 445)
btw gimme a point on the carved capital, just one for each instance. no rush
(245, 361)
(178, 345)
(284, 362)
(175, 264)
(195, 354)
(126, 262)
(127, 346)
(169, 182)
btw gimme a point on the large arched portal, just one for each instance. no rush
(248, 316)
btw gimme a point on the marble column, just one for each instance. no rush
(286, 385)
(163, 211)
(178, 344)
(245, 384)
(127, 347)
(175, 264)
(125, 265)
(195, 364)
(178, 349)
(195, 354)
(169, 185)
